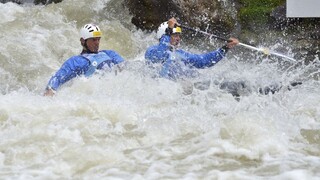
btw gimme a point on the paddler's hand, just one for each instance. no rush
(232, 42)
(171, 22)
(49, 92)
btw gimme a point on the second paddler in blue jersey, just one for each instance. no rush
(179, 65)
(86, 63)
(176, 63)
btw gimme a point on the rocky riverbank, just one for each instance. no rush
(247, 19)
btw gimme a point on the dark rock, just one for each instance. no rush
(46, 1)
(32, 1)
(149, 14)
(14, 1)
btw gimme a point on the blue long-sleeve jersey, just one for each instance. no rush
(79, 65)
(179, 63)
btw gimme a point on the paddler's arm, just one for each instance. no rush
(73, 67)
(208, 59)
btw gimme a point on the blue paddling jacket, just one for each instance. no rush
(177, 64)
(84, 64)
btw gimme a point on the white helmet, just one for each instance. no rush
(90, 31)
(164, 29)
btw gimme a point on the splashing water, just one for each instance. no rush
(134, 126)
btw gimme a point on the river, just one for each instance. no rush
(129, 125)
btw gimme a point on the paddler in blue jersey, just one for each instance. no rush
(90, 60)
(177, 63)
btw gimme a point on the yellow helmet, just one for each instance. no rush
(176, 30)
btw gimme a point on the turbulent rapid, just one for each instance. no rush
(131, 125)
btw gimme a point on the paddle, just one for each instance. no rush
(266, 51)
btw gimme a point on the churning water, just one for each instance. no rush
(132, 126)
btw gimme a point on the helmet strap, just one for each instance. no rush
(168, 31)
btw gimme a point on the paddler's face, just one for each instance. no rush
(175, 39)
(93, 44)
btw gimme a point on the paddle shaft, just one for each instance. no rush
(205, 33)
(264, 50)
(221, 38)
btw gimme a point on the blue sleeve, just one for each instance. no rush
(159, 53)
(73, 67)
(202, 60)
(116, 58)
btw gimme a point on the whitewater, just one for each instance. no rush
(130, 125)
